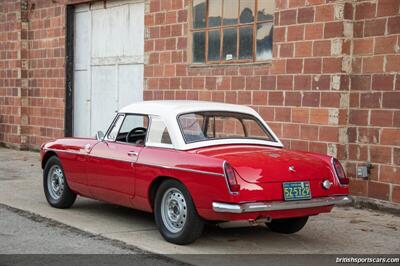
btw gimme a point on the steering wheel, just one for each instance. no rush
(136, 132)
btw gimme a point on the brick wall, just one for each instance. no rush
(330, 88)
(46, 73)
(374, 117)
(10, 72)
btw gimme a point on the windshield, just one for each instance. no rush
(201, 126)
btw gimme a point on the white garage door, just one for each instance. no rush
(108, 62)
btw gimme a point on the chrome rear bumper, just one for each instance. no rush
(280, 205)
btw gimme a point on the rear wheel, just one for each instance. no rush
(287, 226)
(176, 215)
(56, 189)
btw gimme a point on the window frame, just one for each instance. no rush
(154, 144)
(220, 28)
(124, 115)
(265, 129)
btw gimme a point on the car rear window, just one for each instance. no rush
(201, 126)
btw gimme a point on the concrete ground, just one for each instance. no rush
(345, 230)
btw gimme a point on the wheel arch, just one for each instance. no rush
(155, 184)
(47, 156)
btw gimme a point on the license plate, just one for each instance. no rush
(297, 190)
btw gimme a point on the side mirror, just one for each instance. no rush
(99, 135)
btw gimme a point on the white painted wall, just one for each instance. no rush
(108, 62)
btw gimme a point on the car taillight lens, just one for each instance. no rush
(340, 172)
(230, 175)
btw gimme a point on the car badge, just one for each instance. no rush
(292, 169)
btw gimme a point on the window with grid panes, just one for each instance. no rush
(232, 31)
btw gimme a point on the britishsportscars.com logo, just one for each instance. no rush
(367, 260)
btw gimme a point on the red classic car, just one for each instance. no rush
(190, 162)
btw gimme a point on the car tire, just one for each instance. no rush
(56, 189)
(175, 214)
(287, 226)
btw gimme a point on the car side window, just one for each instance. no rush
(113, 132)
(133, 129)
(158, 133)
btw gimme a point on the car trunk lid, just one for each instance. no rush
(260, 164)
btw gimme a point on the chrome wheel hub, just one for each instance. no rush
(55, 182)
(173, 210)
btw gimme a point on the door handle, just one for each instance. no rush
(133, 153)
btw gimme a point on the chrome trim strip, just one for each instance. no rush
(280, 205)
(183, 169)
(152, 165)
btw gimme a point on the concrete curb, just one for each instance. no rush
(360, 202)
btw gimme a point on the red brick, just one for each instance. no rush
(385, 45)
(311, 99)
(295, 33)
(322, 48)
(319, 116)
(314, 31)
(396, 156)
(358, 29)
(360, 82)
(279, 34)
(374, 27)
(381, 118)
(358, 187)
(390, 136)
(244, 97)
(348, 11)
(275, 98)
(238, 83)
(378, 190)
(379, 154)
(382, 82)
(286, 50)
(330, 99)
(358, 117)
(391, 100)
(393, 63)
(267, 113)
(365, 10)
(302, 82)
(373, 64)
(321, 82)
(363, 46)
(330, 134)
(324, 13)
(294, 66)
(332, 65)
(291, 131)
(292, 99)
(388, 8)
(260, 98)
(312, 66)
(393, 25)
(303, 49)
(267, 82)
(389, 174)
(334, 29)
(371, 100)
(300, 115)
(287, 17)
(282, 114)
(305, 15)
(396, 194)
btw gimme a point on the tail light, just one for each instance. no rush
(340, 172)
(231, 180)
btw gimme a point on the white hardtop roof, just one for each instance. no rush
(169, 110)
(169, 107)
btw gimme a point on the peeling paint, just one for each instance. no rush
(346, 64)
(333, 118)
(332, 150)
(344, 100)
(335, 83)
(336, 47)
